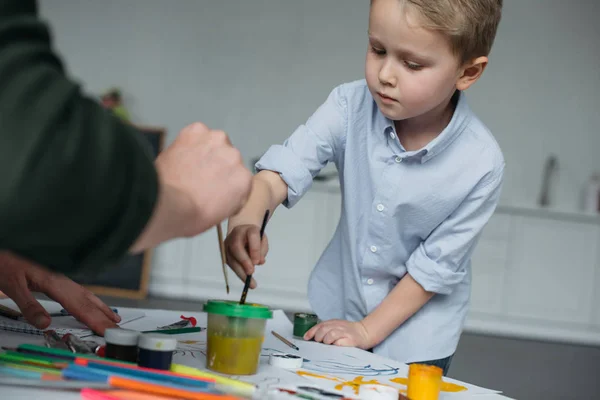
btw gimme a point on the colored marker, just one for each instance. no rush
(50, 384)
(225, 384)
(146, 373)
(77, 372)
(26, 374)
(176, 331)
(14, 357)
(183, 393)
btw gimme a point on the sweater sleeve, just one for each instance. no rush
(77, 186)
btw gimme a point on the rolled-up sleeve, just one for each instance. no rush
(309, 148)
(441, 261)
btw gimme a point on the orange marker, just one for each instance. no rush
(124, 383)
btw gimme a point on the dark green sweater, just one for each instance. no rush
(77, 186)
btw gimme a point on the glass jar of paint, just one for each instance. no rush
(235, 336)
(156, 350)
(303, 322)
(121, 344)
(424, 382)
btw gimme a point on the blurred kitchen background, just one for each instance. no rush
(258, 68)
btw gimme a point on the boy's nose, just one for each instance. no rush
(386, 75)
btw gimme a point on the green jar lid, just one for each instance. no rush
(235, 309)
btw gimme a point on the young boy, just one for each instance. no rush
(420, 176)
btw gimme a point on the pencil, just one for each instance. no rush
(223, 259)
(284, 340)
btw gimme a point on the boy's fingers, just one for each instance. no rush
(311, 332)
(236, 253)
(254, 245)
(331, 336)
(236, 267)
(264, 249)
(344, 342)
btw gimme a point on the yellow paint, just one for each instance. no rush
(233, 355)
(353, 384)
(313, 375)
(446, 386)
(356, 383)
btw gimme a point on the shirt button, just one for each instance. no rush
(373, 249)
(369, 281)
(392, 135)
(398, 159)
(380, 207)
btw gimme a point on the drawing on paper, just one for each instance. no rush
(191, 348)
(350, 367)
(353, 384)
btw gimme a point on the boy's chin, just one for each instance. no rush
(394, 115)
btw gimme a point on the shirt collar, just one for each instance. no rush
(458, 123)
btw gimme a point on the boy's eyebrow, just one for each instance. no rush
(403, 52)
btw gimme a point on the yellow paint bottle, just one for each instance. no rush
(424, 382)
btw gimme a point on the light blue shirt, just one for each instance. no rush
(418, 212)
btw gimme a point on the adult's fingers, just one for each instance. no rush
(31, 309)
(77, 301)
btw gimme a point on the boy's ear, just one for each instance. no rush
(471, 71)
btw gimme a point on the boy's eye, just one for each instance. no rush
(413, 66)
(377, 51)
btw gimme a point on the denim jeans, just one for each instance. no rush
(443, 363)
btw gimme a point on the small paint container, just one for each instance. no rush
(424, 382)
(121, 344)
(156, 351)
(235, 336)
(303, 322)
(378, 392)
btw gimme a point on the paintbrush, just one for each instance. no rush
(223, 259)
(249, 277)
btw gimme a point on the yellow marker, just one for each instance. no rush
(228, 385)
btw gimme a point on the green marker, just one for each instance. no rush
(54, 353)
(31, 368)
(13, 356)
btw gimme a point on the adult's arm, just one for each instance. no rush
(77, 186)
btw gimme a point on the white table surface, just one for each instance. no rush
(14, 392)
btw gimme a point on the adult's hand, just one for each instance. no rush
(20, 277)
(203, 181)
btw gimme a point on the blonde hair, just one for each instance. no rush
(469, 25)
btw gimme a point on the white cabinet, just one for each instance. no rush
(552, 273)
(489, 264)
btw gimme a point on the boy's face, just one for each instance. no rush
(410, 71)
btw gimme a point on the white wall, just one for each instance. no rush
(259, 68)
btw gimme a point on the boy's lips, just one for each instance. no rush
(385, 98)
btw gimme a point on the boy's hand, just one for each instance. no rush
(244, 250)
(340, 333)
